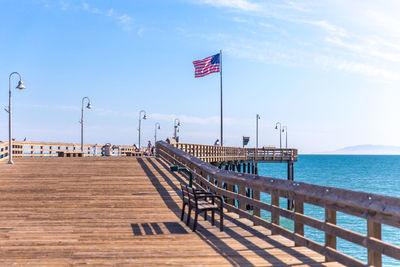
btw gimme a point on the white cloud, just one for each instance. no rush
(362, 38)
(110, 12)
(85, 6)
(369, 70)
(140, 32)
(297, 6)
(126, 21)
(331, 29)
(64, 5)
(236, 4)
(185, 118)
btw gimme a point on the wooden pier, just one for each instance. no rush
(125, 210)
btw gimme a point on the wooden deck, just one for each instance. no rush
(120, 211)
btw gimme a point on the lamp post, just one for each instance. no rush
(280, 133)
(20, 86)
(140, 123)
(284, 130)
(156, 127)
(177, 123)
(257, 118)
(89, 106)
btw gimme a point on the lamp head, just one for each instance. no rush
(159, 127)
(89, 106)
(20, 85)
(145, 117)
(276, 127)
(179, 123)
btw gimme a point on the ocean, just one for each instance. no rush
(367, 173)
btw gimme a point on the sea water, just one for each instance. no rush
(365, 173)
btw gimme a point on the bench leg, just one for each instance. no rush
(221, 225)
(183, 211)
(195, 221)
(212, 217)
(188, 218)
(205, 215)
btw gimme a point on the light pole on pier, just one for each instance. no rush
(284, 130)
(20, 86)
(177, 123)
(140, 123)
(89, 106)
(280, 133)
(257, 118)
(156, 127)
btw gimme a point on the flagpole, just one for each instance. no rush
(220, 72)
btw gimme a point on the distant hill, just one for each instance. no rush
(367, 150)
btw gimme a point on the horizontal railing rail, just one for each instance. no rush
(213, 154)
(53, 149)
(375, 209)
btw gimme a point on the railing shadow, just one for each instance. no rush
(157, 228)
(219, 245)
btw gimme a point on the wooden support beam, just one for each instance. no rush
(374, 230)
(330, 240)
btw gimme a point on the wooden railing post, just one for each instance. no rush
(330, 240)
(256, 193)
(256, 196)
(274, 214)
(298, 227)
(374, 230)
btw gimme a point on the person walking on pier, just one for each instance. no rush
(149, 146)
(135, 148)
(216, 143)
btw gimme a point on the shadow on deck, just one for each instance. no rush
(274, 250)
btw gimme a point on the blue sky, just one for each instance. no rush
(326, 69)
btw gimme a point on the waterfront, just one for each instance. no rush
(378, 174)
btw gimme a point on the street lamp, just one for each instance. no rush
(177, 123)
(257, 118)
(284, 130)
(280, 133)
(89, 106)
(140, 123)
(20, 86)
(156, 127)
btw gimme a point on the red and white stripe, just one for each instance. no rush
(204, 67)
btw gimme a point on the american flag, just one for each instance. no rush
(206, 66)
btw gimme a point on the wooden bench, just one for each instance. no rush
(198, 201)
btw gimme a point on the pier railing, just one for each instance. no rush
(375, 209)
(212, 154)
(52, 149)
